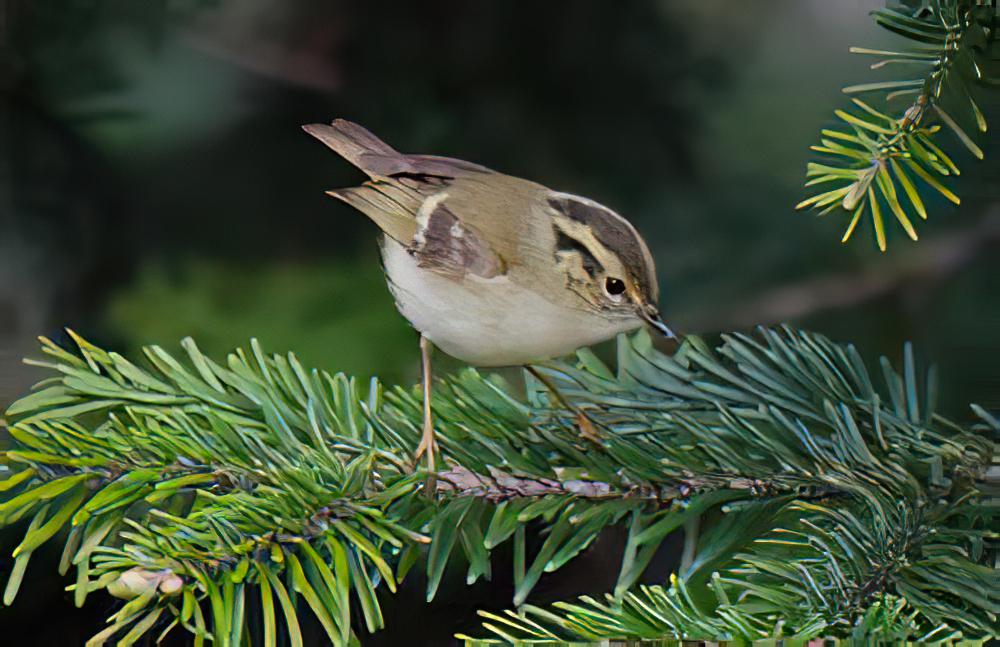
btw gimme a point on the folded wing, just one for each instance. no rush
(406, 196)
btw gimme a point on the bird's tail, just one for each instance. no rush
(355, 144)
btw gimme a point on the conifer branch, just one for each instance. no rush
(186, 484)
(881, 154)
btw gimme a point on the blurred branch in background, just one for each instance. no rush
(927, 265)
(877, 158)
(274, 41)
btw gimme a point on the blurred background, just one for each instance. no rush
(154, 183)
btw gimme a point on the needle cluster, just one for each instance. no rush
(880, 160)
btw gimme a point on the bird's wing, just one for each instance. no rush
(446, 244)
(408, 198)
(391, 206)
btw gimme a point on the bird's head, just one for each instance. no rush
(606, 262)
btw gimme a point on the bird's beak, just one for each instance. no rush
(652, 316)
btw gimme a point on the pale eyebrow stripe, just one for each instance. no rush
(566, 243)
(610, 229)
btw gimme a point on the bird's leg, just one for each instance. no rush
(588, 428)
(427, 442)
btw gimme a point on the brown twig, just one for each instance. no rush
(499, 486)
(934, 259)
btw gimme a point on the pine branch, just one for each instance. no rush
(187, 484)
(498, 487)
(879, 157)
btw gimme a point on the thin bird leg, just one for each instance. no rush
(588, 428)
(427, 442)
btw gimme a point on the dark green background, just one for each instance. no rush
(154, 183)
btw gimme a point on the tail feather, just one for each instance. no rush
(391, 208)
(354, 143)
(379, 160)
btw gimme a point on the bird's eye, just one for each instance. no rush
(614, 287)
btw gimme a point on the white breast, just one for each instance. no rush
(489, 322)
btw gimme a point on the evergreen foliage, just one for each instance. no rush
(876, 156)
(203, 492)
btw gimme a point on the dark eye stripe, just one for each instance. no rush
(566, 243)
(609, 228)
(615, 233)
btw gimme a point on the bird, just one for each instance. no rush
(492, 269)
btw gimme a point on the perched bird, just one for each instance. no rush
(492, 269)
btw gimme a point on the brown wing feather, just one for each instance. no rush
(393, 208)
(444, 244)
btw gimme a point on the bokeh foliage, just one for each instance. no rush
(334, 313)
(195, 489)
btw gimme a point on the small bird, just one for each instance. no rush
(492, 269)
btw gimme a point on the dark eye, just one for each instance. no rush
(614, 286)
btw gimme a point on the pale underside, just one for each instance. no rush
(489, 321)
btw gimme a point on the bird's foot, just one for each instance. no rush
(422, 447)
(588, 428)
(429, 446)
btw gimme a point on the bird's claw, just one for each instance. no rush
(588, 430)
(422, 447)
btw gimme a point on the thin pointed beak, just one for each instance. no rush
(652, 317)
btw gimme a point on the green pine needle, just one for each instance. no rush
(951, 39)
